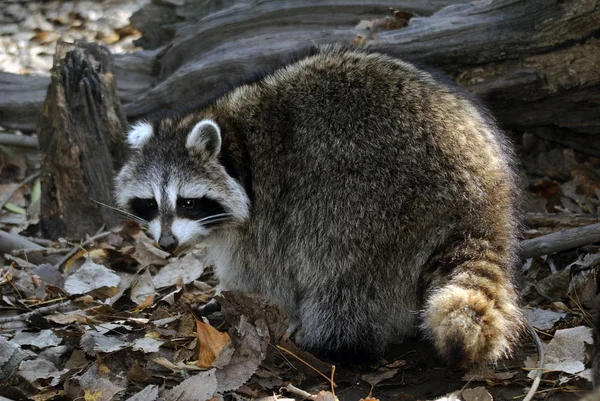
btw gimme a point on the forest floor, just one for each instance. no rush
(112, 317)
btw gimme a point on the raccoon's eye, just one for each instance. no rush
(199, 209)
(187, 203)
(147, 209)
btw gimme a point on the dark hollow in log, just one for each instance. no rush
(80, 133)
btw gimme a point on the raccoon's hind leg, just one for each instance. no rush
(343, 324)
(472, 311)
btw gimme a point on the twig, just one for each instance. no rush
(541, 362)
(40, 241)
(14, 191)
(40, 311)
(560, 241)
(20, 262)
(295, 390)
(586, 316)
(78, 247)
(43, 251)
(10, 242)
(331, 380)
(22, 141)
(279, 347)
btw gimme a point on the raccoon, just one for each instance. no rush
(362, 194)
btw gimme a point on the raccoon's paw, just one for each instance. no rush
(467, 328)
(293, 331)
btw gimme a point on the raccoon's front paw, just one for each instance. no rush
(209, 308)
(468, 328)
(293, 331)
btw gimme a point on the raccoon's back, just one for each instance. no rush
(360, 147)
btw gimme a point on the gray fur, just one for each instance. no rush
(366, 198)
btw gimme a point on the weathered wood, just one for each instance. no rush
(558, 221)
(22, 141)
(21, 100)
(533, 61)
(222, 43)
(220, 21)
(23, 96)
(10, 242)
(560, 241)
(80, 134)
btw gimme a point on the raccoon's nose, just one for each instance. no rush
(168, 242)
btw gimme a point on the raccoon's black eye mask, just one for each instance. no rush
(146, 209)
(198, 208)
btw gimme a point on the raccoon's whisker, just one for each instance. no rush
(126, 213)
(220, 216)
(124, 218)
(216, 221)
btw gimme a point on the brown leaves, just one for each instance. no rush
(211, 342)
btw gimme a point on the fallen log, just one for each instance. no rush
(534, 62)
(560, 241)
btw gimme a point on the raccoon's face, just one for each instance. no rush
(175, 184)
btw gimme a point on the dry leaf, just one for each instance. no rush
(543, 319)
(211, 341)
(566, 351)
(250, 342)
(325, 396)
(38, 369)
(73, 258)
(148, 393)
(199, 387)
(89, 277)
(175, 367)
(376, 377)
(146, 253)
(476, 394)
(42, 339)
(146, 303)
(142, 288)
(181, 271)
(147, 344)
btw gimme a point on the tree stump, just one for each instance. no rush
(80, 132)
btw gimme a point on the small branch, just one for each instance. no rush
(560, 241)
(10, 242)
(40, 241)
(558, 220)
(295, 390)
(331, 382)
(14, 191)
(40, 311)
(43, 251)
(78, 247)
(21, 141)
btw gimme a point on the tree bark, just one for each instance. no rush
(80, 134)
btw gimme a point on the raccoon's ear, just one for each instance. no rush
(205, 138)
(139, 134)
